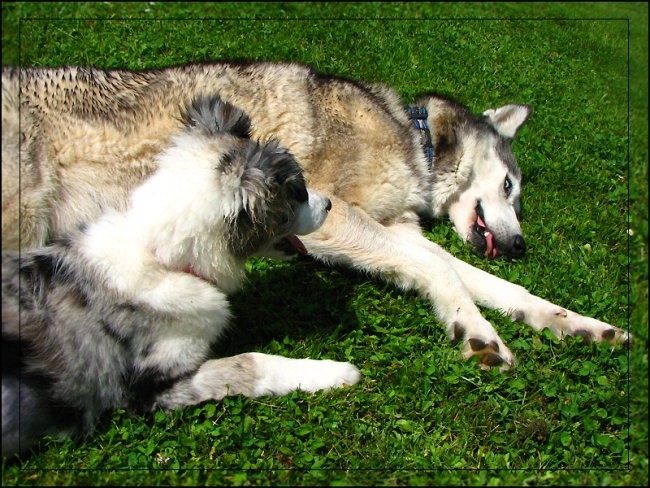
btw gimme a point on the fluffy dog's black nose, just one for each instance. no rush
(329, 205)
(518, 248)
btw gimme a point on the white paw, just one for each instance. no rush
(335, 374)
(563, 322)
(277, 375)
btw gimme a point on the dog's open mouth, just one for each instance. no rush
(481, 230)
(291, 245)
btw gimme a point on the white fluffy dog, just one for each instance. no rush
(123, 312)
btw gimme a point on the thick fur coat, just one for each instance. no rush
(122, 313)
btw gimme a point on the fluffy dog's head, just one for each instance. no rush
(220, 197)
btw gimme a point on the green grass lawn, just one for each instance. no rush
(569, 414)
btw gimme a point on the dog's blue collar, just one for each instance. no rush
(418, 116)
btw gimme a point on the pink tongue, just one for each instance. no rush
(490, 251)
(295, 242)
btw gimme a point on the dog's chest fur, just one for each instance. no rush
(95, 336)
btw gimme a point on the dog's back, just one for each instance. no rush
(90, 136)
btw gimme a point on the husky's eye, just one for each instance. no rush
(507, 186)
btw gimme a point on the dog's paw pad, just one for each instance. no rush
(616, 336)
(458, 333)
(488, 354)
(489, 360)
(479, 345)
(587, 337)
(610, 335)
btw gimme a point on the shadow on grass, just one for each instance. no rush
(295, 301)
(306, 299)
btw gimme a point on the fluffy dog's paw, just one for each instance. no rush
(344, 374)
(616, 336)
(279, 375)
(326, 374)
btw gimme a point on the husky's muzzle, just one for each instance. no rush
(487, 243)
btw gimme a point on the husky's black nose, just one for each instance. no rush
(329, 205)
(518, 248)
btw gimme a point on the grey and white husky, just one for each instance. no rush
(123, 312)
(87, 137)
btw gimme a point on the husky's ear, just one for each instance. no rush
(507, 120)
(211, 115)
(445, 116)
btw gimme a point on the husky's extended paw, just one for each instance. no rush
(489, 351)
(563, 322)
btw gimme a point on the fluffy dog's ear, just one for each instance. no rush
(259, 170)
(211, 115)
(279, 164)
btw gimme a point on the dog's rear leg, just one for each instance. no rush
(256, 374)
(351, 237)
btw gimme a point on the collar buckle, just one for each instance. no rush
(418, 116)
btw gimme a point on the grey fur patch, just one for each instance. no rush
(504, 150)
(211, 116)
(217, 378)
(271, 187)
(518, 316)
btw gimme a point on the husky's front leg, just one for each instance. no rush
(515, 301)
(522, 306)
(254, 375)
(351, 237)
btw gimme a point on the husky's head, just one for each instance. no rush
(220, 197)
(475, 176)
